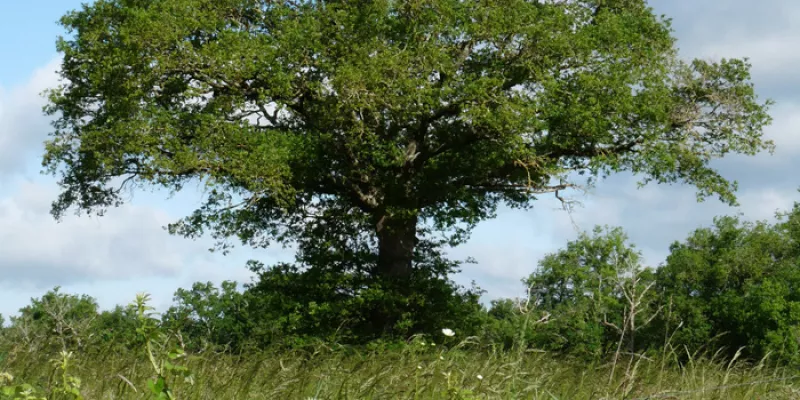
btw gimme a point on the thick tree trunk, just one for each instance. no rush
(397, 238)
(396, 241)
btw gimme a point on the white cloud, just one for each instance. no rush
(771, 54)
(765, 32)
(23, 127)
(785, 128)
(759, 205)
(127, 242)
(110, 258)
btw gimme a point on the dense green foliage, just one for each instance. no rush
(364, 132)
(596, 289)
(286, 306)
(736, 286)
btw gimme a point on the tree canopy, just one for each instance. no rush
(735, 284)
(359, 127)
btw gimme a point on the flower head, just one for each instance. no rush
(448, 332)
(480, 377)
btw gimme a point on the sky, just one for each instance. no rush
(113, 257)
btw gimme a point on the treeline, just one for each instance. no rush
(731, 290)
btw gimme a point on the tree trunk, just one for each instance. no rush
(396, 241)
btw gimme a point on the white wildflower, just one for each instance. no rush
(448, 332)
(480, 377)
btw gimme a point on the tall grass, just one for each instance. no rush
(460, 368)
(424, 373)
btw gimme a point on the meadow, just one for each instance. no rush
(421, 368)
(427, 372)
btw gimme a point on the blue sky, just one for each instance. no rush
(127, 251)
(29, 29)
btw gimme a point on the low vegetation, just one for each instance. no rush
(717, 320)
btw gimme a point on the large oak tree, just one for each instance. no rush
(371, 120)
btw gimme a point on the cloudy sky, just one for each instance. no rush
(127, 251)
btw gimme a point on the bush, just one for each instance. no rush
(344, 307)
(736, 285)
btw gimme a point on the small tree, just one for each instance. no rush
(56, 318)
(206, 314)
(636, 294)
(597, 292)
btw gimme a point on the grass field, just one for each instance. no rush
(414, 372)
